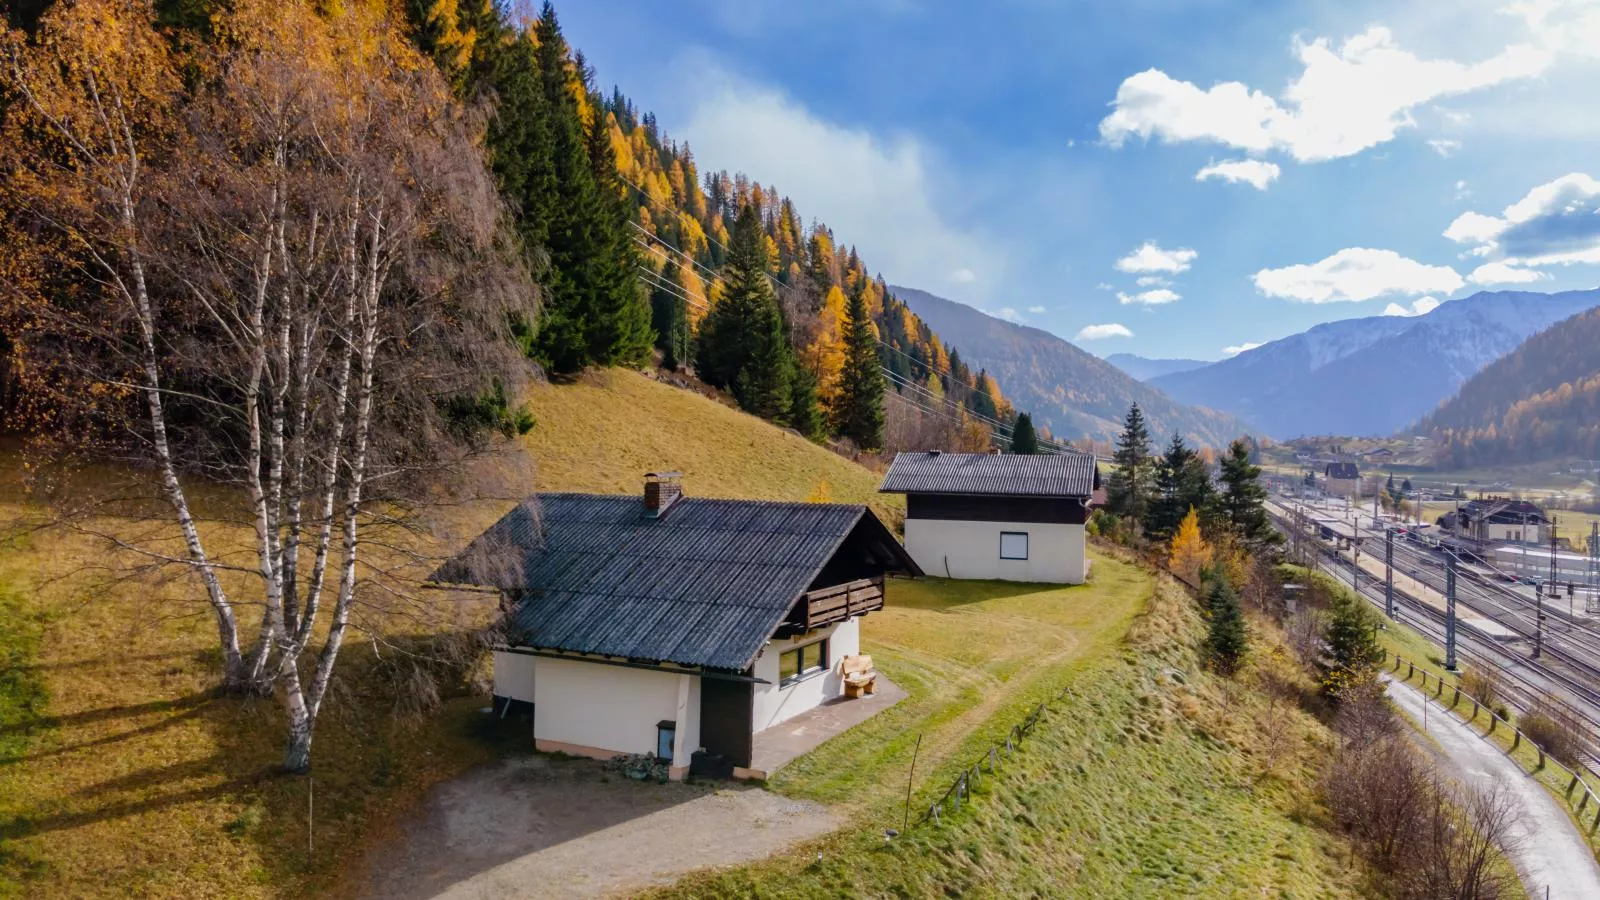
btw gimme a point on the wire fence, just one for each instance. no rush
(988, 764)
(1579, 802)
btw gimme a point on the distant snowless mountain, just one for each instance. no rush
(1144, 368)
(1371, 376)
(1074, 392)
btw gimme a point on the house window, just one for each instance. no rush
(802, 662)
(666, 735)
(1013, 545)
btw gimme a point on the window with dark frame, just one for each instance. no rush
(802, 662)
(1013, 545)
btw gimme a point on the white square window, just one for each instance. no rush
(1013, 545)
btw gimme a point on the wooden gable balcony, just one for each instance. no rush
(836, 603)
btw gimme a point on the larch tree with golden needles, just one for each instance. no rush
(1190, 553)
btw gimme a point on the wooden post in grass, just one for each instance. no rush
(906, 823)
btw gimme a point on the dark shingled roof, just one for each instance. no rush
(1024, 475)
(704, 585)
(1342, 471)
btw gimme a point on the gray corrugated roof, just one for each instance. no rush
(1026, 475)
(704, 585)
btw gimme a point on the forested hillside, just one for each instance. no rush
(1540, 401)
(1074, 392)
(788, 320)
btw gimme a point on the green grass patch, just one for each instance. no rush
(1148, 780)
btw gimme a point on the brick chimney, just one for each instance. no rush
(661, 490)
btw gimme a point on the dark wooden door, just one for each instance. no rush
(726, 709)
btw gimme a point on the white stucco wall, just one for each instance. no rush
(513, 675)
(774, 704)
(963, 549)
(612, 708)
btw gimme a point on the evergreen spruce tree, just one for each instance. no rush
(1023, 438)
(576, 239)
(858, 406)
(1243, 499)
(1129, 487)
(805, 413)
(1351, 636)
(619, 323)
(764, 386)
(738, 320)
(1226, 640)
(669, 319)
(1180, 483)
(980, 403)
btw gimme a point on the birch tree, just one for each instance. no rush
(321, 250)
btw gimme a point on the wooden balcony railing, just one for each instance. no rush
(825, 606)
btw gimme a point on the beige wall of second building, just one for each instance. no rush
(957, 548)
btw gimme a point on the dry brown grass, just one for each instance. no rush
(140, 783)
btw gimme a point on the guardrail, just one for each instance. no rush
(1518, 738)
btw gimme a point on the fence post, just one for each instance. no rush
(1456, 697)
(1516, 740)
(1474, 711)
(1411, 671)
(1541, 755)
(1493, 721)
(1438, 692)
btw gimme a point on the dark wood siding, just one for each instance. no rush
(975, 508)
(727, 710)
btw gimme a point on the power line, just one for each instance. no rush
(928, 364)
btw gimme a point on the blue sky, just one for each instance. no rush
(1165, 178)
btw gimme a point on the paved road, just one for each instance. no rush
(1552, 853)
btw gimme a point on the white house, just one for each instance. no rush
(1014, 517)
(671, 626)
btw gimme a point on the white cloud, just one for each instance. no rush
(1151, 258)
(1037, 310)
(1557, 222)
(1444, 146)
(1419, 307)
(1151, 281)
(1253, 172)
(1237, 349)
(1355, 274)
(1462, 191)
(1101, 332)
(1342, 102)
(1009, 314)
(963, 276)
(1501, 273)
(877, 191)
(1156, 297)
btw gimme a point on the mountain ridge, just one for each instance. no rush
(1145, 368)
(1074, 392)
(1373, 375)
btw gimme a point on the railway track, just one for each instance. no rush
(1523, 680)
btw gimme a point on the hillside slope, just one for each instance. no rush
(1144, 368)
(1374, 375)
(121, 774)
(1540, 401)
(1076, 393)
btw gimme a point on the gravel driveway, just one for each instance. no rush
(535, 826)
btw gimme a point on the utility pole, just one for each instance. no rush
(1450, 611)
(1538, 598)
(1388, 572)
(1591, 604)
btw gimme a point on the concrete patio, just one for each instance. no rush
(777, 746)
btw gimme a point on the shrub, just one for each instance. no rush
(1226, 640)
(1482, 685)
(1556, 728)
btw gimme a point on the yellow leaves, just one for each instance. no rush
(821, 493)
(824, 356)
(1190, 553)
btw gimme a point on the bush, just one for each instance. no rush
(1482, 685)
(1351, 640)
(1226, 640)
(1556, 728)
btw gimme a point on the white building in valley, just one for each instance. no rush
(671, 626)
(1014, 517)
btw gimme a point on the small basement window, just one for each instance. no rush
(1013, 545)
(802, 662)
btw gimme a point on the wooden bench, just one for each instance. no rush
(859, 676)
